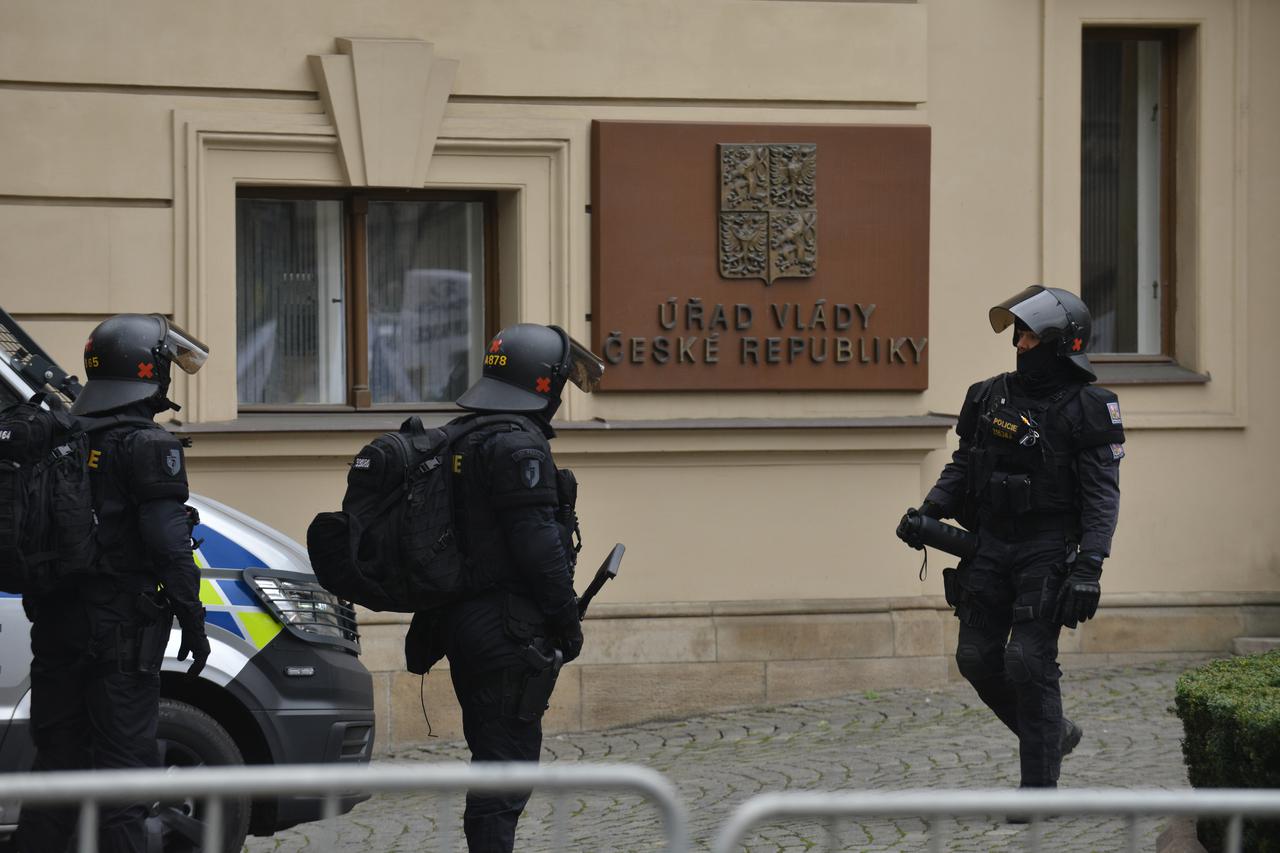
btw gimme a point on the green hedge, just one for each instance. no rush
(1230, 712)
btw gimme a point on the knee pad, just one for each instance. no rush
(973, 664)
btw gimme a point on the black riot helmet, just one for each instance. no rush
(1058, 317)
(525, 368)
(127, 358)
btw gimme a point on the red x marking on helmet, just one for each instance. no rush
(88, 345)
(1077, 345)
(145, 370)
(496, 345)
(543, 385)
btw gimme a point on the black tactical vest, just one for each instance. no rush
(1022, 457)
(489, 561)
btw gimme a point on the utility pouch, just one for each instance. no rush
(969, 588)
(951, 587)
(1018, 489)
(1010, 493)
(566, 513)
(126, 648)
(521, 619)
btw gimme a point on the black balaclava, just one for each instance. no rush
(1040, 370)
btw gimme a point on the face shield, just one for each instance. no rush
(181, 347)
(585, 367)
(1039, 309)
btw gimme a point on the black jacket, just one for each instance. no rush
(139, 480)
(1091, 432)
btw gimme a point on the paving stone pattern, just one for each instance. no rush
(881, 740)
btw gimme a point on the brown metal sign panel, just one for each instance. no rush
(760, 257)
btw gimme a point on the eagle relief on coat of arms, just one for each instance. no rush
(768, 211)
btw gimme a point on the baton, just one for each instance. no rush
(608, 570)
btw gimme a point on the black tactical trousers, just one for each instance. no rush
(86, 713)
(495, 733)
(1008, 644)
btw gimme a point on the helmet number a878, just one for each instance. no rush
(498, 359)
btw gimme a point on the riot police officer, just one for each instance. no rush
(1036, 476)
(98, 641)
(518, 621)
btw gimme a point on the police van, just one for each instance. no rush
(283, 685)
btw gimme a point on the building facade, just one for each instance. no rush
(345, 200)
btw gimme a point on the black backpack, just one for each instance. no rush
(47, 522)
(393, 545)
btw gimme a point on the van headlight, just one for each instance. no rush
(307, 609)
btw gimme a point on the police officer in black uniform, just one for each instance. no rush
(1037, 478)
(98, 642)
(518, 622)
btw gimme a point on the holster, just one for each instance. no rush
(535, 696)
(153, 633)
(137, 644)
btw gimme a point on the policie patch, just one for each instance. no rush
(1117, 451)
(1114, 410)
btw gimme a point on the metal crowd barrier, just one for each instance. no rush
(213, 784)
(92, 788)
(940, 806)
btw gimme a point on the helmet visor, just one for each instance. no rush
(182, 348)
(585, 367)
(1035, 306)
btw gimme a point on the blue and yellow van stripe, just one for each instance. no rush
(230, 604)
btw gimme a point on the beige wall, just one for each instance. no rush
(125, 128)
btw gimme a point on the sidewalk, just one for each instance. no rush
(896, 739)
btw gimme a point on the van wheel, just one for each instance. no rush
(188, 737)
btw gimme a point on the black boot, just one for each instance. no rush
(1071, 734)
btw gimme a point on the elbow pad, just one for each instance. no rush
(158, 469)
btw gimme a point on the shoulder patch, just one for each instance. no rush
(1117, 450)
(1114, 410)
(158, 469)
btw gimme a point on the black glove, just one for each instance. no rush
(567, 630)
(909, 527)
(1078, 600)
(194, 640)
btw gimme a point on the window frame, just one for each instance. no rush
(1169, 38)
(355, 202)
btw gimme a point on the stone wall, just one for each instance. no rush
(668, 661)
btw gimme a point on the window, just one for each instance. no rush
(1127, 188)
(361, 300)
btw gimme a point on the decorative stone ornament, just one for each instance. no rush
(386, 98)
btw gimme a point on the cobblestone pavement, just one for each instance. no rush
(882, 740)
